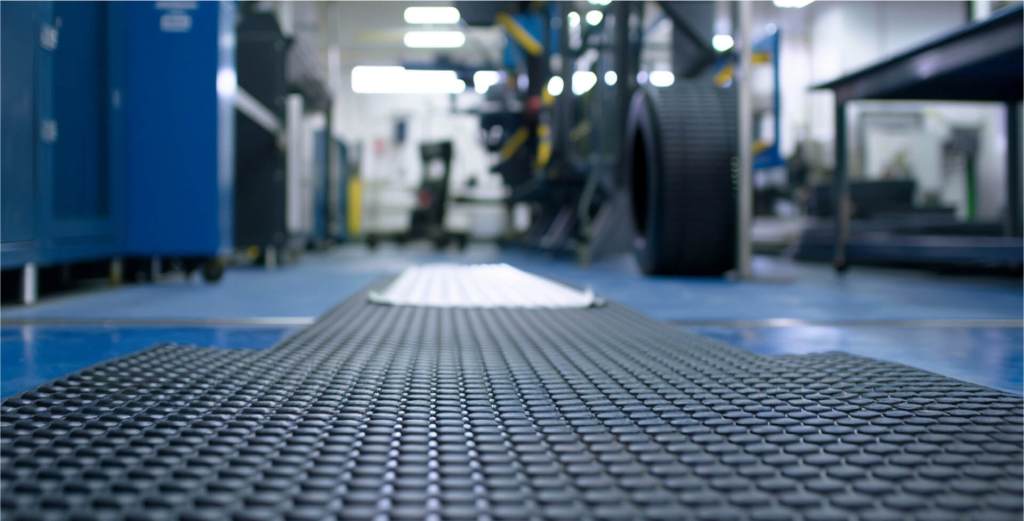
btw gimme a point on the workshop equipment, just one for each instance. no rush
(260, 182)
(573, 156)
(979, 62)
(680, 148)
(173, 122)
(428, 218)
(58, 191)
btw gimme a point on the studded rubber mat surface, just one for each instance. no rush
(383, 412)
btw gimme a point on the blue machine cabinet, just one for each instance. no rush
(173, 126)
(19, 36)
(57, 204)
(117, 132)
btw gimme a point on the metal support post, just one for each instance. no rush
(744, 181)
(1013, 170)
(840, 189)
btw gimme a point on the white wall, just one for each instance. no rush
(828, 39)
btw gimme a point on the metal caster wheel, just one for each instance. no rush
(213, 270)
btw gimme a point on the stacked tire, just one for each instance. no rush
(679, 169)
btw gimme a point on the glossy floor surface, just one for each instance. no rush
(965, 327)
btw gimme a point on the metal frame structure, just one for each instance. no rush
(980, 62)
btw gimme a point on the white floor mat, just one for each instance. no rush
(478, 285)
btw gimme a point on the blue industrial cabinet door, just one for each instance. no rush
(19, 33)
(56, 184)
(77, 191)
(19, 40)
(173, 67)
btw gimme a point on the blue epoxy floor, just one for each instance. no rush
(986, 355)
(33, 355)
(900, 307)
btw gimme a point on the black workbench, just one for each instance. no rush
(983, 61)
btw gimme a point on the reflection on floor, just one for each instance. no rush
(989, 356)
(966, 327)
(34, 354)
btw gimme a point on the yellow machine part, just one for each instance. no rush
(519, 34)
(354, 206)
(514, 142)
(543, 144)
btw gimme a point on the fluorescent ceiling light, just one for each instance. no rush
(431, 15)
(483, 80)
(722, 42)
(662, 78)
(373, 79)
(611, 78)
(574, 18)
(792, 4)
(555, 86)
(434, 39)
(583, 81)
(599, 2)
(594, 17)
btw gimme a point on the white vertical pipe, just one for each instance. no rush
(294, 165)
(980, 9)
(745, 124)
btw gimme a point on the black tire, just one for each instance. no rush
(371, 242)
(213, 270)
(678, 162)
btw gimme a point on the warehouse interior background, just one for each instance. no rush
(222, 173)
(800, 180)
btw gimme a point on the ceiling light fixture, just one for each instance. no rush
(555, 86)
(574, 18)
(434, 39)
(662, 78)
(722, 42)
(611, 78)
(792, 4)
(375, 79)
(582, 82)
(483, 80)
(431, 15)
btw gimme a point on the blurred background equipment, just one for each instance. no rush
(579, 129)
(261, 187)
(585, 129)
(790, 178)
(976, 63)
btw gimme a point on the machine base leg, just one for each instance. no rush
(29, 280)
(270, 257)
(155, 268)
(116, 271)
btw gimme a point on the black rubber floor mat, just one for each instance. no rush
(380, 412)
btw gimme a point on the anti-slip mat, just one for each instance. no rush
(411, 412)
